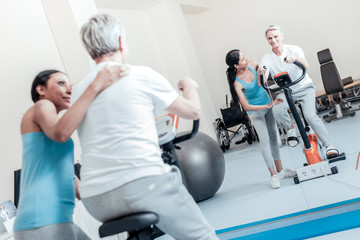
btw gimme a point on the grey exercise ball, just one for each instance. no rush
(203, 165)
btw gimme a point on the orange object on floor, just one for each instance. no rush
(312, 154)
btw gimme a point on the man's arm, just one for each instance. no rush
(187, 106)
(292, 58)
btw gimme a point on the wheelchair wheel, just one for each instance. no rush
(222, 135)
(249, 140)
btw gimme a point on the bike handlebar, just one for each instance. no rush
(195, 129)
(287, 85)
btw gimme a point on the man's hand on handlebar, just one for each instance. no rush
(290, 59)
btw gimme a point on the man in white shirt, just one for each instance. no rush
(122, 169)
(281, 59)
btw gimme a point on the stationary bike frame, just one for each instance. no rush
(284, 82)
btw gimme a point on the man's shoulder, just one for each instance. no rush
(145, 73)
(266, 57)
(141, 70)
(292, 47)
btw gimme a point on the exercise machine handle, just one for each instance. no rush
(287, 85)
(302, 75)
(194, 131)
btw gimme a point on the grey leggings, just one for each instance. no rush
(60, 231)
(179, 215)
(306, 97)
(265, 125)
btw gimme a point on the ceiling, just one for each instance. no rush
(188, 6)
(127, 4)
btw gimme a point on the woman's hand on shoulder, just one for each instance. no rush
(108, 75)
(274, 102)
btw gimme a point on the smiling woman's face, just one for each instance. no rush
(58, 91)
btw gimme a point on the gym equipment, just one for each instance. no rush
(141, 226)
(203, 165)
(315, 166)
(200, 160)
(334, 86)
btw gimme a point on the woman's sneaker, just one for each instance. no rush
(287, 173)
(275, 181)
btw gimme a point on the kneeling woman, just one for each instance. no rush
(245, 87)
(47, 185)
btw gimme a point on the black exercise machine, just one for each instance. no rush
(334, 88)
(315, 166)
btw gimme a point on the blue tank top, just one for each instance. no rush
(254, 94)
(47, 185)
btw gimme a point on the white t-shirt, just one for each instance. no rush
(118, 135)
(277, 65)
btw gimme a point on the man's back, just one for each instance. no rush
(118, 134)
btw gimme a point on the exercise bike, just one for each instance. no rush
(141, 226)
(315, 166)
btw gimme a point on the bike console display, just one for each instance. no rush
(282, 79)
(167, 127)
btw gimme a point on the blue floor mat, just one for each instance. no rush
(301, 225)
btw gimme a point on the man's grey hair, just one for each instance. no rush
(100, 35)
(273, 27)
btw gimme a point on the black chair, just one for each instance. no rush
(140, 226)
(334, 87)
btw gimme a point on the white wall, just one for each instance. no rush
(143, 49)
(27, 47)
(313, 25)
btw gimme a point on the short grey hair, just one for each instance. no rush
(273, 27)
(100, 35)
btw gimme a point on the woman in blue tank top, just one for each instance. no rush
(47, 186)
(245, 88)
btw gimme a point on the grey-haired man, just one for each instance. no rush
(279, 60)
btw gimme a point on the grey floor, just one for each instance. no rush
(246, 195)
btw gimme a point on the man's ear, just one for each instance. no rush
(123, 46)
(41, 90)
(282, 36)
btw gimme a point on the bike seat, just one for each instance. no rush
(135, 222)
